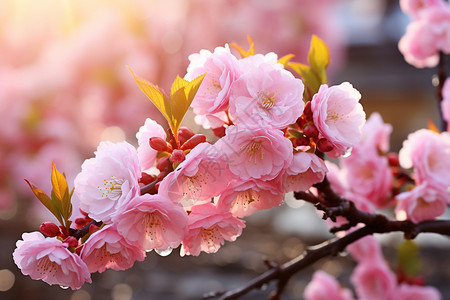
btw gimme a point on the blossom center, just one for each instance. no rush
(253, 149)
(266, 101)
(46, 266)
(151, 223)
(112, 188)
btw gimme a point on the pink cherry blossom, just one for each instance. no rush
(48, 259)
(423, 202)
(107, 249)
(201, 176)
(208, 228)
(260, 153)
(108, 180)
(338, 116)
(367, 248)
(266, 96)
(146, 154)
(375, 135)
(221, 71)
(370, 176)
(252, 61)
(152, 222)
(305, 170)
(324, 286)
(373, 280)
(414, 8)
(416, 292)
(445, 103)
(425, 37)
(429, 153)
(243, 198)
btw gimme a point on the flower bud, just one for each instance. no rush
(324, 145)
(184, 134)
(146, 178)
(311, 131)
(50, 229)
(219, 131)
(72, 241)
(159, 144)
(302, 141)
(193, 141)
(307, 111)
(80, 222)
(177, 156)
(162, 163)
(393, 159)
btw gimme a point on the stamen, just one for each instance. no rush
(266, 101)
(112, 188)
(253, 148)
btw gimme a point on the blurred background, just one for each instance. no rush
(65, 86)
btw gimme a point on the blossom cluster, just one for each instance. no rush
(267, 136)
(372, 278)
(428, 34)
(270, 133)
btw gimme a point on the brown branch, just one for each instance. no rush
(441, 76)
(333, 205)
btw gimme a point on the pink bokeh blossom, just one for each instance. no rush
(414, 8)
(423, 202)
(324, 286)
(338, 116)
(49, 260)
(429, 153)
(107, 249)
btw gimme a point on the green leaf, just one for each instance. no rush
(174, 108)
(61, 192)
(48, 203)
(319, 58)
(408, 257)
(285, 59)
(59, 183)
(310, 80)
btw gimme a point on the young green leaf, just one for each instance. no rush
(319, 58)
(174, 108)
(285, 59)
(48, 203)
(310, 80)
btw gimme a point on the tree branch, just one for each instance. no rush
(333, 205)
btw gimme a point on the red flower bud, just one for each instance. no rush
(302, 141)
(162, 163)
(311, 131)
(184, 134)
(146, 178)
(324, 145)
(393, 159)
(159, 144)
(307, 111)
(80, 222)
(72, 241)
(177, 156)
(50, 229)
(219, 131)
(193, 141)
